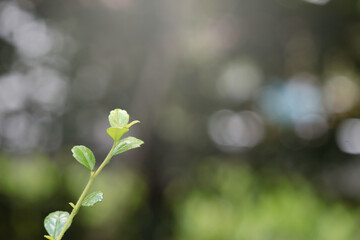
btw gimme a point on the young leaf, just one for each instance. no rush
(118, 118)
(127, 144)
(55, 222)
(84, 156)
(92, 199)
(116, 133)
(132, 123)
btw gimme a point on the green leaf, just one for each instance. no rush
(132, 123)
(84, 156)
(127, 144)
(92, 199)
(116, 133)
(55, 222)
(118, 118)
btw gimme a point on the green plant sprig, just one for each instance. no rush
(56, 223)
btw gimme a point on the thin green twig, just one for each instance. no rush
(83, 194)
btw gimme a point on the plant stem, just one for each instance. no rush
(83, 194)
(106, 160)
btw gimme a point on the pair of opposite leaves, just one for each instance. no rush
(119, 122)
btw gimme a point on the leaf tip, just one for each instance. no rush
(132, 123)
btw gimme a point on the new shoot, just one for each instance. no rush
(56, 223)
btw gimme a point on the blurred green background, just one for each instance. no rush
(249, 111)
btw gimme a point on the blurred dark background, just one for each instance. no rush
(249, 111)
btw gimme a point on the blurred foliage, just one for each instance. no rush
(31, 178)
(230, 202)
